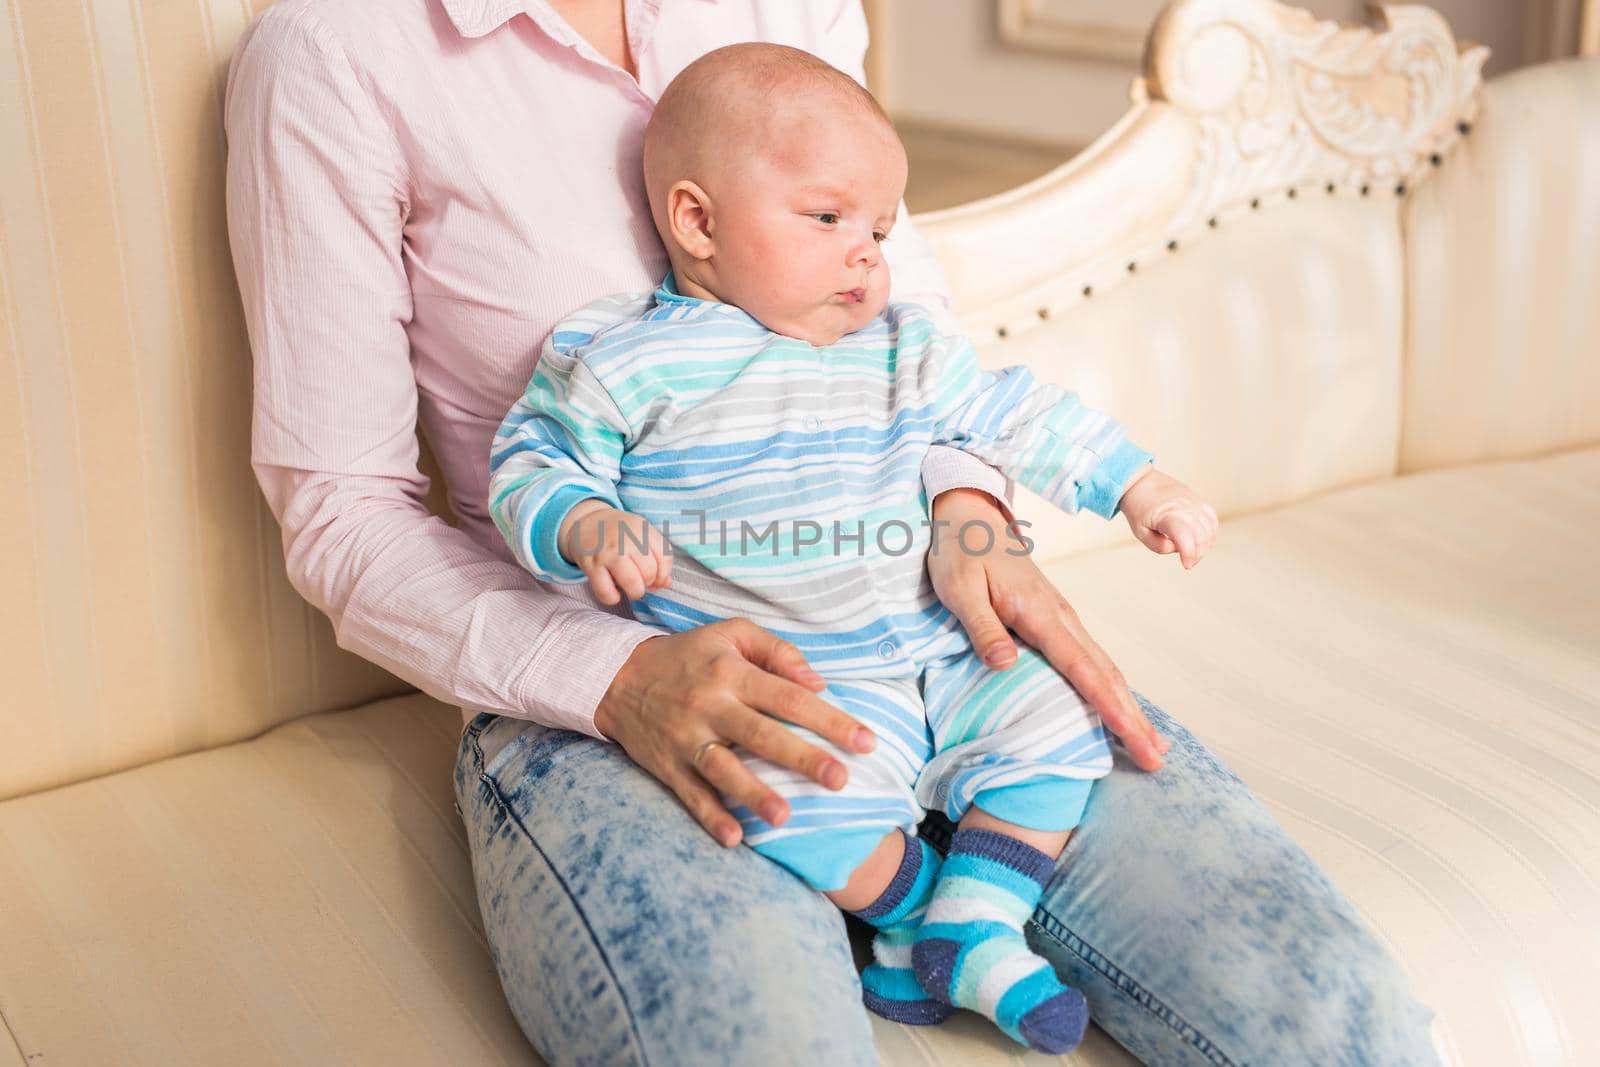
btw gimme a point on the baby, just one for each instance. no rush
(746, 440)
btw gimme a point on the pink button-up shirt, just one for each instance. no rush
(418, 190)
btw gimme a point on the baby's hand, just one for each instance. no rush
(605, 544)
(1167, 516)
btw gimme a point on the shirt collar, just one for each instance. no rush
(667, 294)
(475, 18)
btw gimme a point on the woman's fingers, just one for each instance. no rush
(704, 804)
(970, 602)
(782, 699)
(770, 739)
(771, 653)
(1061, 639)
(722, 767)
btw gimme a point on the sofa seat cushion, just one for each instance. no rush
(1406, 672)
(302, 897)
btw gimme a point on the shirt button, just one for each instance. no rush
(886, 650)
(811, 422)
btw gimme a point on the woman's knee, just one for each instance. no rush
(623, 933)
(1202, 924)
(1354, 1006)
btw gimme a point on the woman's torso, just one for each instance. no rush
(520, 147)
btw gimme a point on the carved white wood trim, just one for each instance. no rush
(1244, 104)
(1027, 24)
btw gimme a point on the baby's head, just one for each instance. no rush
(772, 179)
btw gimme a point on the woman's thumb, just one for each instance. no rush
(986, 632)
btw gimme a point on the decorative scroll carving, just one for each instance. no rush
(1244, 105)
(1284, 99)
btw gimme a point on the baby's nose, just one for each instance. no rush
(867, 253)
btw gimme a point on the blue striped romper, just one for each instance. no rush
(785, 479)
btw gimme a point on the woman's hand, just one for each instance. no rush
(1000, 589)
(725, 681)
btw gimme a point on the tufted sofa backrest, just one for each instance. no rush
(1502, 282)
(1224, 270)
(146, 610)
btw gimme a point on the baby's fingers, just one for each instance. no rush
(625, 572)
(663, 570)
(1154, 540)
(600, 581)
(648, 567)
(1186, 535)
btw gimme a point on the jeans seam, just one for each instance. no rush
(1102, 965)
(505, 808)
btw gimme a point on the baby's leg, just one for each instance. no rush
(830, 834)
(1018, 754)
(890, 891)
(853, 844)
(1050, 842)
(869, 880)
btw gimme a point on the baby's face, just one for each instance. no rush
(797, 234)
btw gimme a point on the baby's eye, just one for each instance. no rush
(827, 218)
(880, 237)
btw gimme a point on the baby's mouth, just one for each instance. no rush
(854, 296)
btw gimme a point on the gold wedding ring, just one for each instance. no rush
(701, 751)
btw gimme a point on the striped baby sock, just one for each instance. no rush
(888, 986)
(970, 951)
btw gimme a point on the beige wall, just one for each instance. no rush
(942, 62)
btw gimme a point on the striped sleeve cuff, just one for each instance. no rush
(545, 531)
(1102, 493)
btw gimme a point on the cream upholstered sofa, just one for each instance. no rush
(1332, 281)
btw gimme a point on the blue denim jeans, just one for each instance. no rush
(623, 934)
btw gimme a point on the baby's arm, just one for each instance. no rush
(1036, 433)
(553, 475)
(1045, 438)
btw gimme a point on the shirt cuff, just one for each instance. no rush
(570, 674)
(950, 468)
(1102, 493)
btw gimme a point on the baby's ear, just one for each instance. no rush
(689, 218)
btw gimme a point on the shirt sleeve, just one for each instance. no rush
(561, 443)
(1037, 433)
(316, 199)
(915, 275)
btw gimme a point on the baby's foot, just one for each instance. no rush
(970, 951)
(888, 987)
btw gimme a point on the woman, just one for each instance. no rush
(417, 191)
